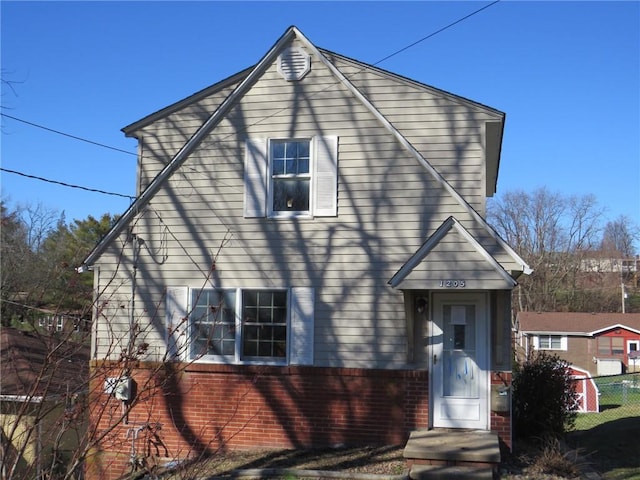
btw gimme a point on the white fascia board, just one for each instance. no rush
(611, 327)
(434, 239)
(422, 252)
(554, 332)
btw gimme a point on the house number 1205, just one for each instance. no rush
(453, 283)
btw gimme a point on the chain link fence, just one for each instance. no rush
(608, 424)
(613, 395)
(605, 398)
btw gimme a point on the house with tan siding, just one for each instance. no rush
(307, 263)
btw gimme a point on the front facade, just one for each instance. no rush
(307, 264)
(599, 343)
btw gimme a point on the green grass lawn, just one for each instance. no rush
(610, 439)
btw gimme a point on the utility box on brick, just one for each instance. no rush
(500, 398)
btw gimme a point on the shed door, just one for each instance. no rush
(459, 364)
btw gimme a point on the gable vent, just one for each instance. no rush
(294, 63)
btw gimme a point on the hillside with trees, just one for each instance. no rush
(39, 251)
(581, 261)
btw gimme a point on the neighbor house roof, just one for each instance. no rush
(245, 80)
(34, 365)
(576, 323)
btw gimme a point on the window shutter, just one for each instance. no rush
(302, 313)
(325, 189)
(255, 178)
(177, 325)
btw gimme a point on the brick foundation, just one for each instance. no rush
(182, 411)
(204, 408)
(501, 421)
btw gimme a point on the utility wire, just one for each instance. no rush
(397, 52)
(435, 33)
(67, 184)
(68, 135)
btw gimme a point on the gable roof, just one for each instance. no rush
(33, 365)
(576, 323)
(417, 273)
(245, 83)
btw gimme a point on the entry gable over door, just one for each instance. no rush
(452, 258)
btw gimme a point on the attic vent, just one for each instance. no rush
(294, 63)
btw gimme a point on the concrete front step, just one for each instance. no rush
(446, 472)
(454, 454)
(453, 446)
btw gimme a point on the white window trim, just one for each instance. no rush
(271, 213)
(237, 356)
(323, 170)
(563, 342)
(633, 342)
(59, 324)
(300, 328)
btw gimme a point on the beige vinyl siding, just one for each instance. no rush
(164, 138)
(446, 130)
(388, 205)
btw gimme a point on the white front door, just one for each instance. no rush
(459, 361)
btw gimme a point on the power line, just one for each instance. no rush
(95, 190)
(68, 135)
(436, 32)
(440, 30)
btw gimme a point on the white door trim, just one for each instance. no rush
(478, 407)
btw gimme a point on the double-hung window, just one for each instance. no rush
(213, 322)
(296, 177)
(290, 177)
(241, 325)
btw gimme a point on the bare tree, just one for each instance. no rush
(60, 418)
(15, 257)
(620, 235)
(554, 234)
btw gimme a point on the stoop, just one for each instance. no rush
(452, 454)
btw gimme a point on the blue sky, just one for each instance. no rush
(567, 74)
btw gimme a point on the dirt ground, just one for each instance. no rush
(350, 462)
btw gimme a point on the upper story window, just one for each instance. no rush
(550, 342)
(291, 177)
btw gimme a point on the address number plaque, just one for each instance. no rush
(453, 283)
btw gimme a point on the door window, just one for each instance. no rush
(459, 351)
